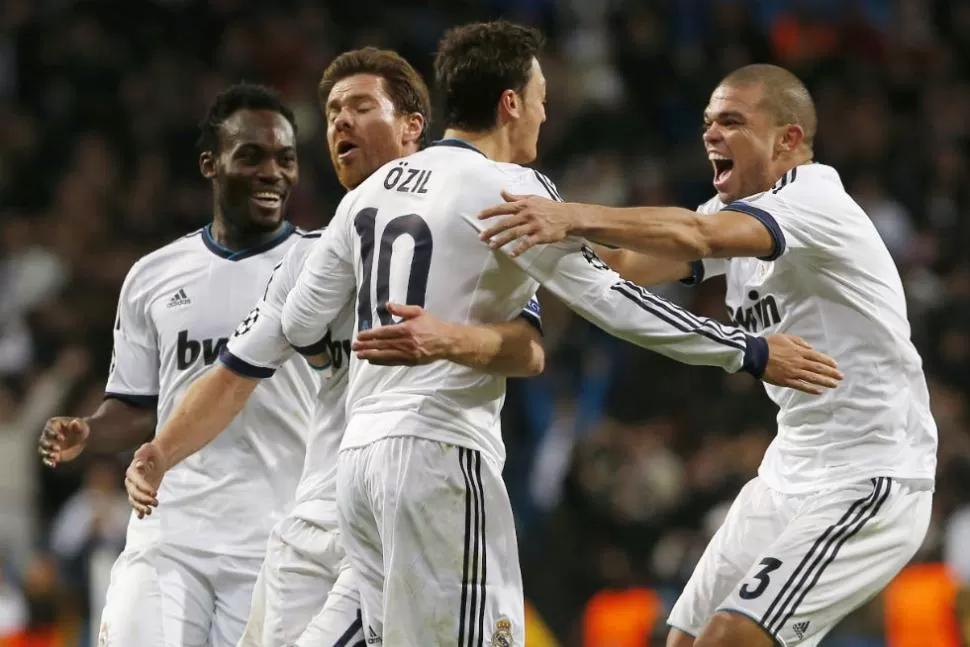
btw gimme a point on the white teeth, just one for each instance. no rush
(265, 195)
(716, 156)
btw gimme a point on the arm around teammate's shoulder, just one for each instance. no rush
(671, 233)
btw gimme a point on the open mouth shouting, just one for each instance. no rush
(346, 150)
(723, 169)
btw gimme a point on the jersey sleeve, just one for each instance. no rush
(133, 376)
(575, 274)
(324, 285)
(793, 225)
(707, 268)
(258, 347)
(532, 312)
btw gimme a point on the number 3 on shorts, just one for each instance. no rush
(750, 591)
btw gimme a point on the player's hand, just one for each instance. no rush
(418, 339)
(792, 363)
(530, 220)
(62, 440)
(143, 477)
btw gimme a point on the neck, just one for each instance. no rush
(494, 144)
(235, 239)
(802, 157)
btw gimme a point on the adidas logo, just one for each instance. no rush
(800, 628)
(180, 298)
(372, 637)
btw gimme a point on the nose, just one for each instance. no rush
(270, 169)
(343, 120)
(712, 134)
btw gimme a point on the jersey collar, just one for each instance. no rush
(239, 254)
(454, 142)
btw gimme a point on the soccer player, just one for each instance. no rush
(377, 109)
(843, 496)
(422, 508)
(186, 575)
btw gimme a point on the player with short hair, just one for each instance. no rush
(377, 109)
(843, 496)
(422, 507)
(186, 575)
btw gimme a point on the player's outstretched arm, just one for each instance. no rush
(207, 408)
(324, 285)
(512, 349)
(668, 232)
(116, 426)
(643, 269)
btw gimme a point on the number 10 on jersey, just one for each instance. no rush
(411, 225)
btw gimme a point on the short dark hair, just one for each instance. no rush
(783, 94)
(407, 90)
(240, 96)
(476, 63)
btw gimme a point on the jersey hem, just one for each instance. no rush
(135, 400)
(766, 219)
(241, 367)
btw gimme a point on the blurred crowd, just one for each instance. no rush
(621, 463)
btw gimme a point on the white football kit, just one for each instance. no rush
(304, 557)
(843, 496)
(423, 510)
(186, 575)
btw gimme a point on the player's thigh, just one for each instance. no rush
(303, 569)
(155, 601)
(753, 521)
(233, 585)
(360, 535)
(339, 622)
(451, 557)
(840, 550)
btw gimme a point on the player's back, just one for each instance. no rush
(835, 284)
(413, 245)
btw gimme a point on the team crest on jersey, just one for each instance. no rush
(502, 636)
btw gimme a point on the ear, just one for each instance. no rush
(791, 138)
(207, 165)
(509, 105)
(413, 127)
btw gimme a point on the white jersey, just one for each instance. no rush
(258, 349)
(832, 281)
(178, 307)
(409, 234)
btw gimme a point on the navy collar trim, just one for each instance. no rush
(240, 254)
(454, 142)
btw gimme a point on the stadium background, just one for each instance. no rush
(620, 462)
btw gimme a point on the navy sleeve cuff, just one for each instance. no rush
(532, 320)
(755, 356)
(139, 401)
(696, 274)
(315, 348)
(242, 367)
(766, 219)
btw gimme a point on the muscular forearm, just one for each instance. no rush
(669, 232)
(643, 269)
(512, 349)
(118, 426)
(204, 411)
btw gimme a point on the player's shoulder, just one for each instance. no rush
(711, 206)
(302, 243)
(157, 264)
(810, 184)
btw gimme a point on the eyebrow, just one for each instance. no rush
(724, 114)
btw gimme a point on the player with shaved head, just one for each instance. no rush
(843, 497)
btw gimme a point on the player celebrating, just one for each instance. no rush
(186, 575)
(377, 108)
(842, 500)
(422, 508)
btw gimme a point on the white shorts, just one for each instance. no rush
(302, 567)
(797, 565)
(428, 528)
(163, 596)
